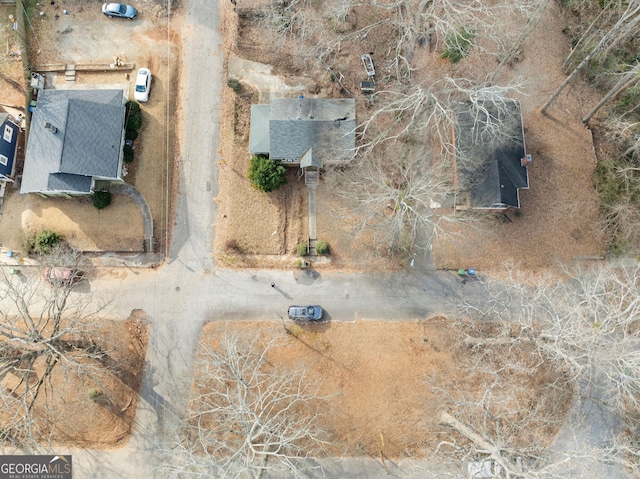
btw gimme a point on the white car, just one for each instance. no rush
(143, 83)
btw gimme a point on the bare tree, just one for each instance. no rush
(42, 330)
(626, 80)
(506, 407)
(626, 25)
(402, 186)
(580, 330)
(247, 416)
(393, 195)
(587, 323)
(321, 34)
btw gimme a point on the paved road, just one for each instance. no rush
(172, 296)
(201, 83)
(189, 290)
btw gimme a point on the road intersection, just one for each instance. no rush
(190, 290)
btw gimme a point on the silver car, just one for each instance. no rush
(119, 10)
(306, 313)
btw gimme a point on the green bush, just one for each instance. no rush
(265, 174)
(94, 394)
(301, 249)
(101, 199)
(322, 247)
(45, 240)
(133, 115)
(127, 154)
(131, 134)
(234, 84)
(458, 44)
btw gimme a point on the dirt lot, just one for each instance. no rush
(97, 409)
(394, 379)
(560, 215)
(84, 35)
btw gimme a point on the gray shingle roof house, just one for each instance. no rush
(76, 138)
(9, 129)
(491, 157)
(290, 128)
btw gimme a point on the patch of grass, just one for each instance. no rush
(631, 97)
(295, 330)
(610, 186)
(619, 190)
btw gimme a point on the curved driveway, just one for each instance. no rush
(133, 193)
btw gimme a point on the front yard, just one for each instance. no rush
(85, 36)
(560, 217)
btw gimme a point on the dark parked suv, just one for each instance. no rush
(306, 313)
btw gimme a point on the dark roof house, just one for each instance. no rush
(491, 157)
(312, 130)
(76, 138)
(9, 128)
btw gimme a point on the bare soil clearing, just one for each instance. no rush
(560, 216)
(96, 409)
(85, 35)
(394, 380)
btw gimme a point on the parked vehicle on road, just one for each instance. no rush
(306, 313)
(57, 275)
(143, 84)
(119, 10)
